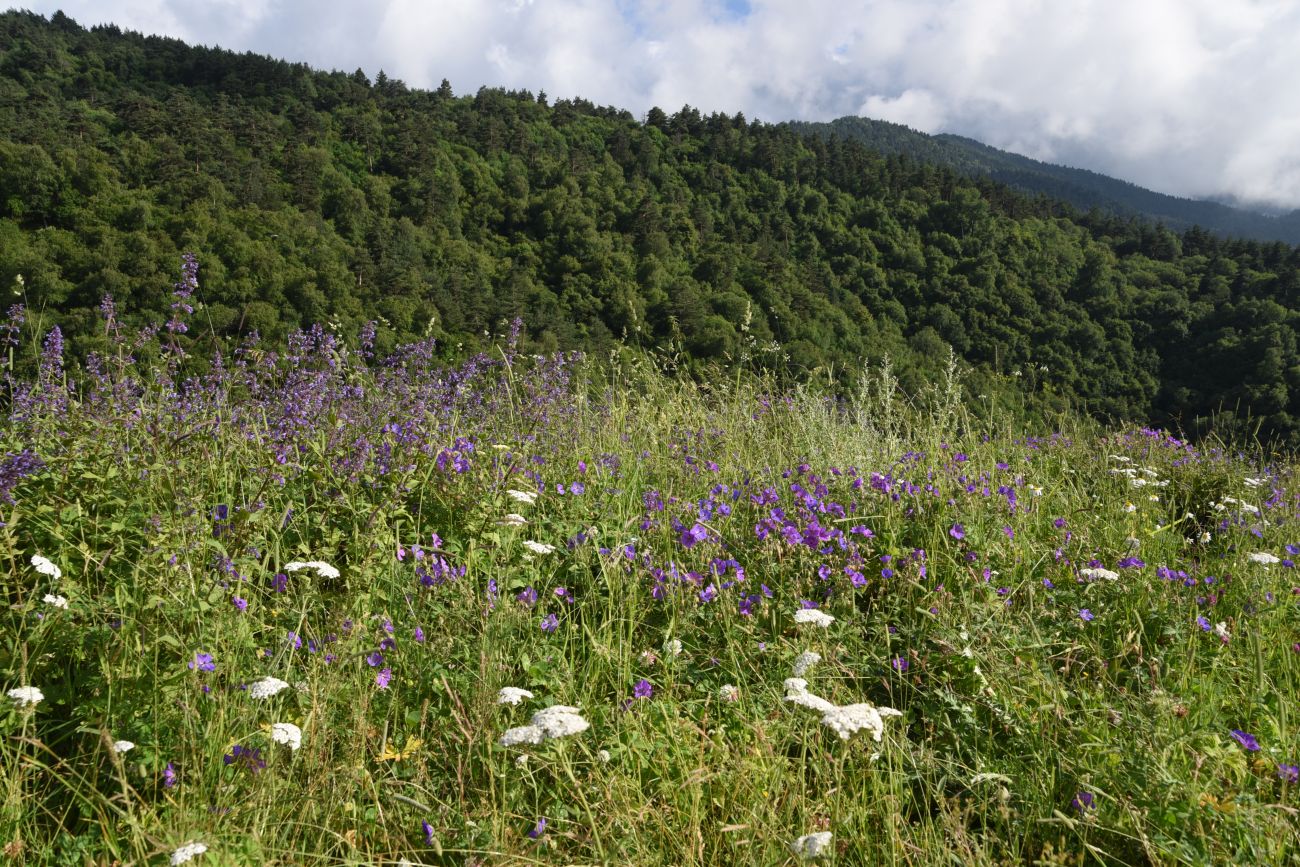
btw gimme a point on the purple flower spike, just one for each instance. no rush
(1246, 740)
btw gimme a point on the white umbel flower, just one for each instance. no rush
(512, 695)
(266, 687)
(805, 661)
(325, 570)
(1093, 574)
(46, 567)
(26, 696)
(120, 747)
(286, 733)
(55, 601)
(525, 497)
(188, 852)
(849, 720)
(1263, 558)
(811, 846)
(557, 721)
(815, 616)
(538, 547)
(514, 519)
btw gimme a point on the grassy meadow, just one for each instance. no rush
(262, 610)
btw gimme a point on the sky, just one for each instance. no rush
(1195, 98)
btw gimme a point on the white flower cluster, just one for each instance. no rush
(120, 747)
(188, 852)
(512, 695)
(811, 846)
(46, 567)
(55, 601)
(325, 570)
(728, 692)
(514, 519)
(525, 497)
(538, 547)
(815, 616)
(556, 721)
(1262, 557)
(286, 733)
(266, 687)
(26, 696)
(804, 662)
(846, 720)
(1254, 482)
(1233, 501)
(1097, 574)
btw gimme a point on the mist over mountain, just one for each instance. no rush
(1081, 188)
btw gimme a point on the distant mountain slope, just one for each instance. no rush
(1081, 188)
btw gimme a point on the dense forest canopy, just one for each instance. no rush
(1081, 188)
(327, 197)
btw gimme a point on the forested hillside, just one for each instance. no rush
(1079, 187)
(326, 197)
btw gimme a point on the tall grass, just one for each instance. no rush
(690, 523)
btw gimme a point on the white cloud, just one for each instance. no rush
(1193, 97)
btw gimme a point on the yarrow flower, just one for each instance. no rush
(804, 662)
(286, 733)
(188, 852)
(122, 746)
(46, 567)
(266, 687)
(815, 616)
(526, 497)
(1094, 574)
(512, 695)
(538, 547)
(556, 721)
(325, 570)
(1262, 557)
(55, 601)
(514, 519)
(26, 696)
(811, 846)
(844, 721)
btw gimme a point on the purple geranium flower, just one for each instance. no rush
(1288, 773)
(957, 531)
(383, 678)
(539, 829)
(202, 662)
(1246, 740)
(1085, 614)
(550, 623)
(1083, 801)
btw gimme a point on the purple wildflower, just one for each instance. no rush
(382, 678)
(957, 531)
(1288, 773)
(550, 623)
(643, 689)
(1083, 801)
(240, 603)
(248, 758)
(539, 829)
(1246, 740)
(428, 832)
(169, 776)
(202, 662)
(1085, 615)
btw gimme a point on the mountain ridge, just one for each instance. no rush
(1082, 188)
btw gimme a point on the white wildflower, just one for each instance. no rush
(286, 733)
(1221, 630)
(560, 721)
(805, 661)
(188, 852)
(120, 747)
(521, 760)
(1130, 508)
(522, 735)
(1262, 557)
(514, 519)
(811, 846)
(1097, 574)
(1035, 491)
(45, 567)
(26, 696)
(325, 570)
(728, 692)
(796, 689)
(538, 547)
(1255, 482)
(1133, 542)
(512, 695)
(850, 719)
(266, 687)
(1206, 537)
(1121, 458)
(526, 497)
(603, 756)
(815, 616)
(673, 647)
(55, 601)
(1139, 482)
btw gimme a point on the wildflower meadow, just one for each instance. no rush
(302, 604)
